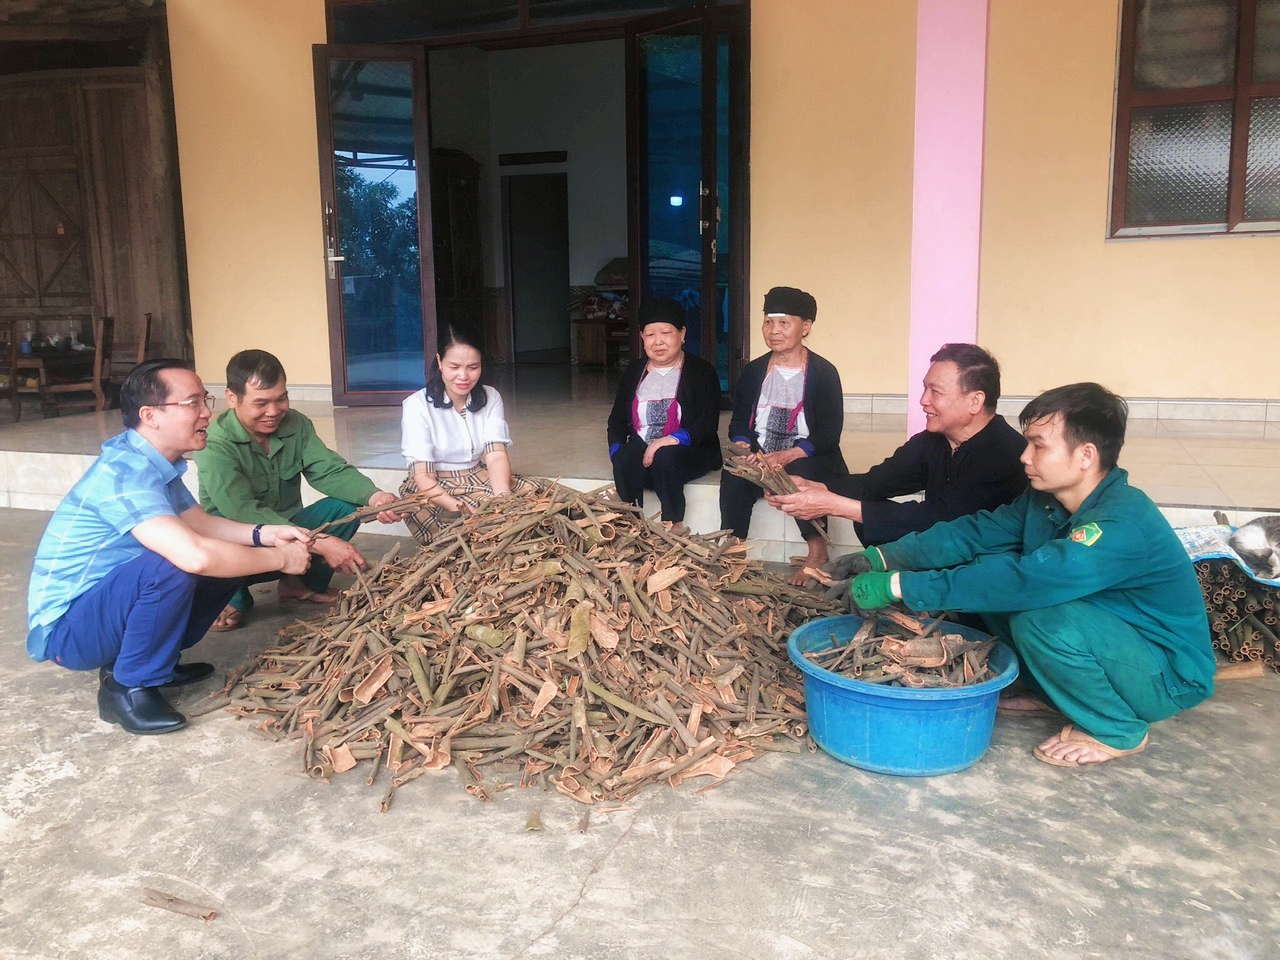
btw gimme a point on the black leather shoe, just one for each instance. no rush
(183, 673)
(140, 710)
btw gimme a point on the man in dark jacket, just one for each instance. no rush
(965, 459)
(666, 415)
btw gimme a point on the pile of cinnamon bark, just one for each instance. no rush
(1244, 615)
(897, 649)
(558, 637)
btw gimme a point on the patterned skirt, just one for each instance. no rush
(467, 486)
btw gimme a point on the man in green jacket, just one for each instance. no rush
(252, 468)
(1081, 574)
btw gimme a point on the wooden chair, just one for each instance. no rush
(8, 360)
(127, 356)
(144, 340)
(61, 382)
(26, 373)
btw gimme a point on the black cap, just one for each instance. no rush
(789, 300)
(661, 311)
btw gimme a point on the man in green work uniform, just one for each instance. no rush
(1081, 574)
(252, 468)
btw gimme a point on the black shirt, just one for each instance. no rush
(982, 473)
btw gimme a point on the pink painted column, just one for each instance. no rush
(946, 209)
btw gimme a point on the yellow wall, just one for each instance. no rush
(832, 93)
(250, 180)
(1159, 317)
(831, 153)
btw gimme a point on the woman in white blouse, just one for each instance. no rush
(453, 433)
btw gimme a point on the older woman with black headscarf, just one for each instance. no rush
(666, 415)
(789, 405)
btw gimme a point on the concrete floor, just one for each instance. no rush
(1171, 854)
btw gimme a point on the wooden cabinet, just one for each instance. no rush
(455, 238)
(588, 342)
(601, 331)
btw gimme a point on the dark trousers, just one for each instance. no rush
(319, 573)
(137, 620)
(1092, 666)
(738, 496)
(672, 468)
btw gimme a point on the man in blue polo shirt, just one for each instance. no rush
(131, 571)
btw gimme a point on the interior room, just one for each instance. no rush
(547, 128)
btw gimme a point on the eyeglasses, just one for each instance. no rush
(207, 401)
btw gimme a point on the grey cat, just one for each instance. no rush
(1258, 543)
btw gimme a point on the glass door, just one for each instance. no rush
(371, 108)
(687, 110)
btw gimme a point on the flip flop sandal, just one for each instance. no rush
(227, 621)
(1070, 734)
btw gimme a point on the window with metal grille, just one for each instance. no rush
(1198, 118)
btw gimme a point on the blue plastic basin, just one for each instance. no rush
(897, 730)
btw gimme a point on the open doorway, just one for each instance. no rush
(638, 109)
(90, 212)
(540, 120)
(535, 230)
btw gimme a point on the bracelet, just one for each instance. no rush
(257, 534)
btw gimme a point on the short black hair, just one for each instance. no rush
(256, 366)
(451, 335)
(1090, 414)
(144, 387)
(978, 370)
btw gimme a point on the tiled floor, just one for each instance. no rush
(557, 416)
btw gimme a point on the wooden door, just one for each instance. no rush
(43, 261)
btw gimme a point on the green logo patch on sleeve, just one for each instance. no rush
(1088, 534)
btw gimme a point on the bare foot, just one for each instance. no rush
(1024, 705)
(1072, 747)
(817, 557)
(292, 588)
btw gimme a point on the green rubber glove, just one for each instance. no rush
(872, 591)
(852, 564)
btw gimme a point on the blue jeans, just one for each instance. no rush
(137, 620)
